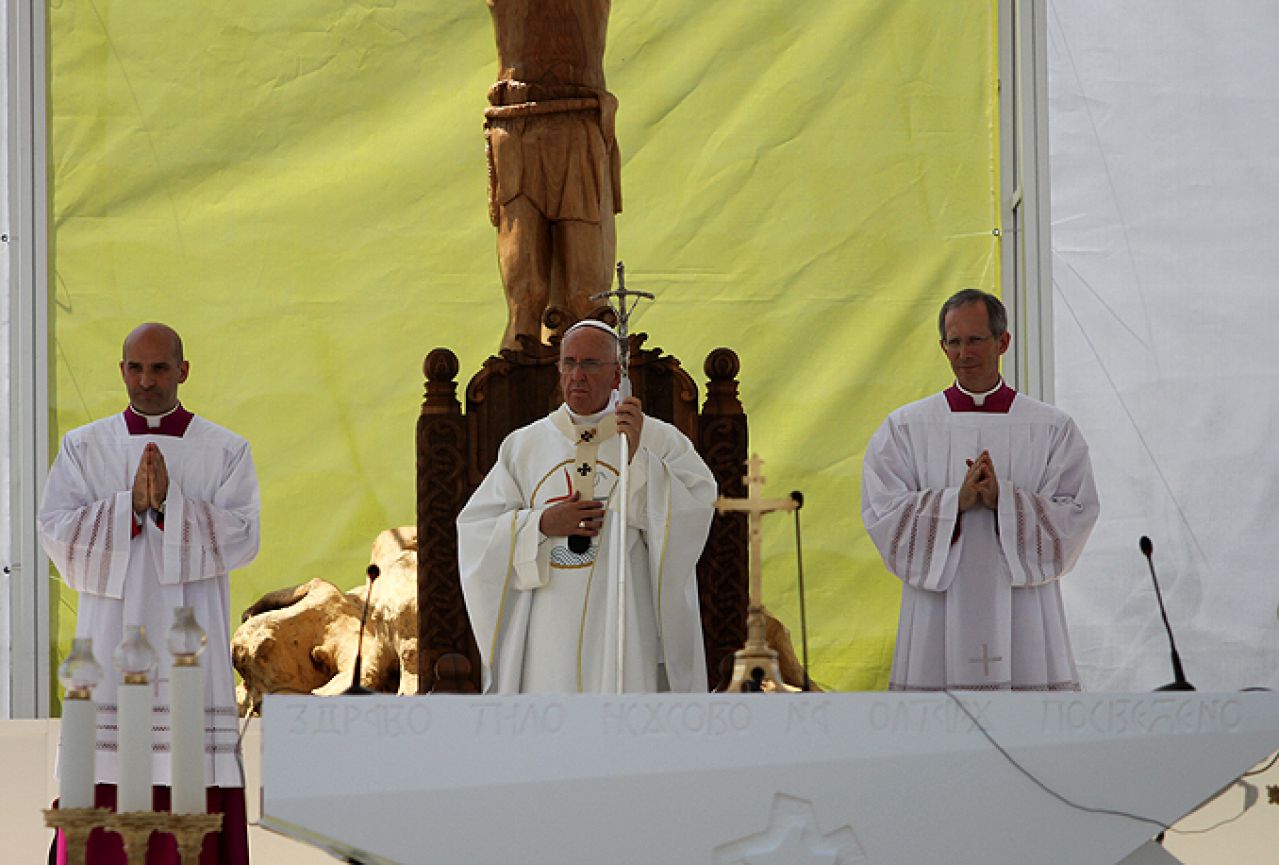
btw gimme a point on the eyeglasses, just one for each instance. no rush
(568, 365)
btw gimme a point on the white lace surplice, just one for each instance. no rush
(981, 607)
(210, 528)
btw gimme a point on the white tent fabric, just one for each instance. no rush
(1163, 119)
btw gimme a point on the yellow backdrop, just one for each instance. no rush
(299, 187)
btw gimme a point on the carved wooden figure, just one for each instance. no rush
(554, 165)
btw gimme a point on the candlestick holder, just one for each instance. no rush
(135, 828)
(189, 830)
(755, 666)
(76, 824)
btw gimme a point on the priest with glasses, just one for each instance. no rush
(980, 500)
(538, 559)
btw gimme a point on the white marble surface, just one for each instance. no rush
(839, 778)
(1245, 831)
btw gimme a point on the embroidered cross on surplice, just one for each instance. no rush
(985, 660)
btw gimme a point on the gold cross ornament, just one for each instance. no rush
(755, 506)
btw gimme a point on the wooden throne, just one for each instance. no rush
(455, 450)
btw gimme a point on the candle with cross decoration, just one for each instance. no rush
(755, 664)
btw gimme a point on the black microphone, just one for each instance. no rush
(356, 688)
(1179, 682)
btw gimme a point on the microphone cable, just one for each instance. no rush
(1163, 827)
(1264, 769)
(239, 753)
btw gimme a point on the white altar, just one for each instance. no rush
(789, 779)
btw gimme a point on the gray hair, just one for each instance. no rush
(995, 312)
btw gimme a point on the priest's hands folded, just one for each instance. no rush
(980, 484)
(630, 420)
(573, 516)
(151, 481)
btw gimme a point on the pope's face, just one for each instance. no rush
(973, 351)
(588, 370)
(152, 371)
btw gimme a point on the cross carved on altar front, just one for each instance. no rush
(755, 506)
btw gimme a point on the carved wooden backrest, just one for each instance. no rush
(455, 450)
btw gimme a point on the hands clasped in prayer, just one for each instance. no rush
(980, 484)
(151, 482)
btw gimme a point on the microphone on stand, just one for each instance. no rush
(798, 498)
(356, 688)
(1179, 682)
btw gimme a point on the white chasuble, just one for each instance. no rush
(981, 607)
(130, 577)
(546, 618)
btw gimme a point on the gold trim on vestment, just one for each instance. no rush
(501, 604)
(661, 565)
(533, 498)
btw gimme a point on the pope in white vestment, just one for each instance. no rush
(545, 617)
(199, 522)
(979, 499)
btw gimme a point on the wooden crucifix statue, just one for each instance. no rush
(554, 167)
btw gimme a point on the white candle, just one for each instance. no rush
(79, 719)
(186, 704)
(135, 659)
(186, 641)
(79, 674)
(135, 747)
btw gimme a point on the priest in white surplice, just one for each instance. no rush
(145, 511)
(979, 499)
(544, 616)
